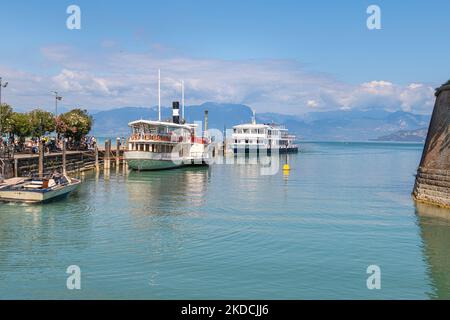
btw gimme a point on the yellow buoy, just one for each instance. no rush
(286, 167)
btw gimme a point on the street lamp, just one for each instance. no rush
(57, 98)
(2, 85)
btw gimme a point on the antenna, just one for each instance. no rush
(159, 94)
(254, 117)
(182, 100)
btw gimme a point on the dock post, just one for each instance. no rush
(41, 159)
(106, 157)
(206, 122)
(16, 167)
(224, 143)
(64, 163)
(97, 167)
(118, 143)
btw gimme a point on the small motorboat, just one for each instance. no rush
(35, 190)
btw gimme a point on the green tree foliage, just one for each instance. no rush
(42, 122)
(20, 126)
(74, 124)
(5, 118)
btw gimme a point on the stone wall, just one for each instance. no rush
(433, 176)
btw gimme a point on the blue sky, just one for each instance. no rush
(289, 56)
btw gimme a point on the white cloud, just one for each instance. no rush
(114, 79)
(414, 97)
(312, 103)
(82, 83)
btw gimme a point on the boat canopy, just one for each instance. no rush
(162, 124)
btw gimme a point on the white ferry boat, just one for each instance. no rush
(156, 145)
(254, 137)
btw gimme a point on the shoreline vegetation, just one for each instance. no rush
(23, 131)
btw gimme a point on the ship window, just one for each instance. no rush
(246, 141)
(234, 130)
(235, 141)
(147, 147)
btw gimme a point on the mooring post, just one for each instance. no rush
(224, 142)
(41, 159)
(16, 167)
(97, 167)
(107, 155)
(64, 164)
(117, 152)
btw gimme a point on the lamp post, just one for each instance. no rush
(2, 85)
(57, 98)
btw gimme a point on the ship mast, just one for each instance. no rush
(159, 94)
(182, 100)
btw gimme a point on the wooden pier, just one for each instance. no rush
(25, 165)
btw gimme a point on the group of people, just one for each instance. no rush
(51, 144)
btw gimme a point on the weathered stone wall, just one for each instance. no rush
(433, 176)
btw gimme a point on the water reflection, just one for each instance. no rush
(35, 236)
(434, 226)
(167, 192)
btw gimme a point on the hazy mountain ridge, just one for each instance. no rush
(333, 125)
(418, 135)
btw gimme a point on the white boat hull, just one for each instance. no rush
(146, 161)
(144, 165)
(34, 196)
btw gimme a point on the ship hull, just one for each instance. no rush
(147, 161)
(149, 164)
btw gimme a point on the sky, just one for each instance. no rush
(282, 56)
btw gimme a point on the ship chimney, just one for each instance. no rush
(176, 112)
(206, 120)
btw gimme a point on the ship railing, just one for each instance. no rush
(168, 138)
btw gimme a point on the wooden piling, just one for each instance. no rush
(41, 159)
(118, 152)
(107, 156)
(16, 167)
(64, 163)
(97, 166)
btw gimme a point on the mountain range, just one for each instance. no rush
(346, 125)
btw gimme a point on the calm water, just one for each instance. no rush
(230, 232)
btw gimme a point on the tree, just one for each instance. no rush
(41, 122)
(74, 124)
(5, 118)
(20, 126)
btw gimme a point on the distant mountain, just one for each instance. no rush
(115, 122)
(349, 125)
(418, 135)
(359, 125)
